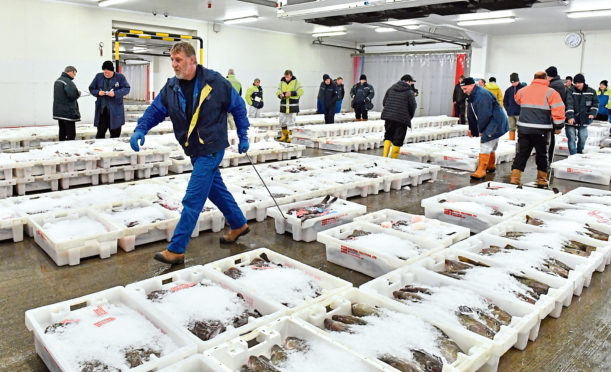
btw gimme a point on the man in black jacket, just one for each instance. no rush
(556, 84)
(459, 98)
(362, 93)
(65, 105)
(399, 109)
(327, 95)
(581, 109)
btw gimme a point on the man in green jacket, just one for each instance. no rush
(238, 87)
(289, 91)
(254, 98)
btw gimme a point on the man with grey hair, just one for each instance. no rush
(254, 99)
(198, 101)
(65, 105)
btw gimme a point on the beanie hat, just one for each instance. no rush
(407, 77)
(108, 65)
(514, 77)
(605, 83)
(492, 79)
(579, 78)
(326, 76)
(467, 81)
(363, 77)
(552, 71)
(569, 78)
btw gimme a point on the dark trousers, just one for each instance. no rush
(104, 125)
(524, 147)
(360, 111)
(601, 117)
(459, 112)
(67, 130)
(551, 148)
(329, 115)
(395, 132)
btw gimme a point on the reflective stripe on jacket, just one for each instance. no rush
(541, 107)
(290, 105)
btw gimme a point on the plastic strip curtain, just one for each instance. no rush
(136, 77)
(435, 75)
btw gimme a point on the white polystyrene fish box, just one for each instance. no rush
(11, 222)
(306, 218)
(142, 222)
(279, 278)
(392, 333)
(194, 363)
(373, 250)
(106, 330)
(206, 306)
(68, 236)
(319, 353)
(440, 232)
(443, 296)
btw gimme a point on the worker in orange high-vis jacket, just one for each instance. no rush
(541, 113)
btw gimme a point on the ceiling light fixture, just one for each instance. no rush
(589, 13)
(491, 21)
(384, 29)
(324, 34)
(105, 3)
(485, 15)
(235, 21)
(412, 27)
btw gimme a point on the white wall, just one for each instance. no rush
(527, 54)
(42, 37)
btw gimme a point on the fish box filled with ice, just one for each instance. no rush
(305, 219)
(287, 345)
(384, 331)
(194, 363)
(549, 294)
(507, 322)
(279, 278)
(68, 236)
(143, 222)
(373, 250)
(204, 305)
(566, 242)
(11, 222)
(105, 331)
(439, 232)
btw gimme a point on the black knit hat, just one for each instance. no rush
(514, 77)
(569, 78)
(579, 78)
(492, 79)
(363, 77)
(552, 71)
(605, 83)
(325, 77)
(467, 81)
(408, 77)
(108, 65)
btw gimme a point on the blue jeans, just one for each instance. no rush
(580, 134)
(205, 182)
(338, 106)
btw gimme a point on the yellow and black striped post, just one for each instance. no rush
(155, 36)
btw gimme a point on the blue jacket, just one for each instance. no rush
(115, 104)
(509, 100)
(211, 126)
(486, 116)
(603, 101)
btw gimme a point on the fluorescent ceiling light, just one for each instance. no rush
(412, 27)
(485, 15)
(590, 13)
(384, 29)
(318, 29)
(247, 19)
(323, 34)
(491, 21)
(104, 3)
(139, 49)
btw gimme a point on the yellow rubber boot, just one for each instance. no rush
(394, 154)
(285, 134)
(288, 137)
(480, 173)
(387, 145)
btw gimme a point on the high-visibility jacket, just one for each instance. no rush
(494, 88)
(290, 104)
(254, 96)
(604, 101)
(541, 107)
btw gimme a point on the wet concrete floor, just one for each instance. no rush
(577, 341)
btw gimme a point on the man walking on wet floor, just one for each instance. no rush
(198, 101)
(399, 109)
(486, 120)
(328, 96)
(542, 113)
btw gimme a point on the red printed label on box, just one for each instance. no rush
(458, 214)
(263, 267)
(67, 321)
(578, 170)
(99, 311)
(182, 286)
(450, 158)
(332, 220)
(356, 253)
(105, 321)
(599, 218)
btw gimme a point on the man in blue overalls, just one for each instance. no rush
(198, 101)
